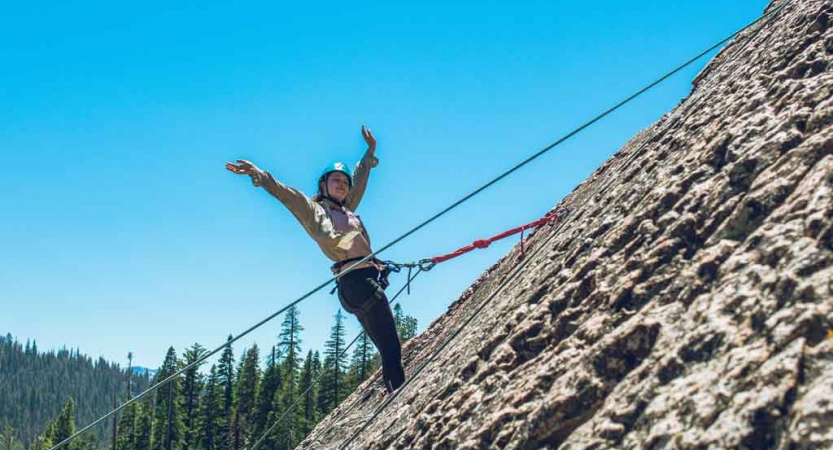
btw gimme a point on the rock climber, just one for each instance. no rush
(330, 219)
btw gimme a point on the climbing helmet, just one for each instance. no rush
(336, 167)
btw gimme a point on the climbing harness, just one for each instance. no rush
(383, 274)
(336, 267)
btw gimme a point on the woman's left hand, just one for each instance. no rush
(244, 168)
(368, 137)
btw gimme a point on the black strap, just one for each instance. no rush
(383, 274)
(340, 264)
(336, 202)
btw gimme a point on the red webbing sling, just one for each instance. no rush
(483, 243)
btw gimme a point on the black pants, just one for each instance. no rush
(360, 293)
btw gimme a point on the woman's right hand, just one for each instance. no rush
(244, 168)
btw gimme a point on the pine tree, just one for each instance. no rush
(129, 393)
(225, 373)
(45, 441)
(409, 328)
(234, 431)
(333, 387)
(168, 411)
(266, 396)
(290, 345)
(115, 424)
(316, 364)
(247, 386)
(126, 439)
(126, 436)
(211, 412)
(65, 424)
(398, 318)
(144, 426)
(309, 405)
(191, 388)
(62, 428)
(287, 433)
(406, 326)
(8, 435)
(362, 364)
(317, 375)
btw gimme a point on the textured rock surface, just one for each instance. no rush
(686, 301)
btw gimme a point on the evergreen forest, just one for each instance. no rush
(274, 396)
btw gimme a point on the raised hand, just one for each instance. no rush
(244, 168)
(368, 137)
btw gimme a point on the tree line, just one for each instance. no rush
(236, 402)
(35, 386)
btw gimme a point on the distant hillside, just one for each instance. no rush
(36, 385)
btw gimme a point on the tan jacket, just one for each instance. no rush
(338, 231)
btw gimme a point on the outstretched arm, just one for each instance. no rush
(362, 171)
(298, 204)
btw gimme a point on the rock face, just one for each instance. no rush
(685, 302)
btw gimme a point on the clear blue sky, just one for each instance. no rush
(122, 231)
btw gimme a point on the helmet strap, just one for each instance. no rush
(338, 203)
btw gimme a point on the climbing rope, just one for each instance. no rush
(517, 269)
(417, 228)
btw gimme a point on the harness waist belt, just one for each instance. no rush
(337, 266)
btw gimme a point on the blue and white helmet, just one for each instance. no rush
(337, 167)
